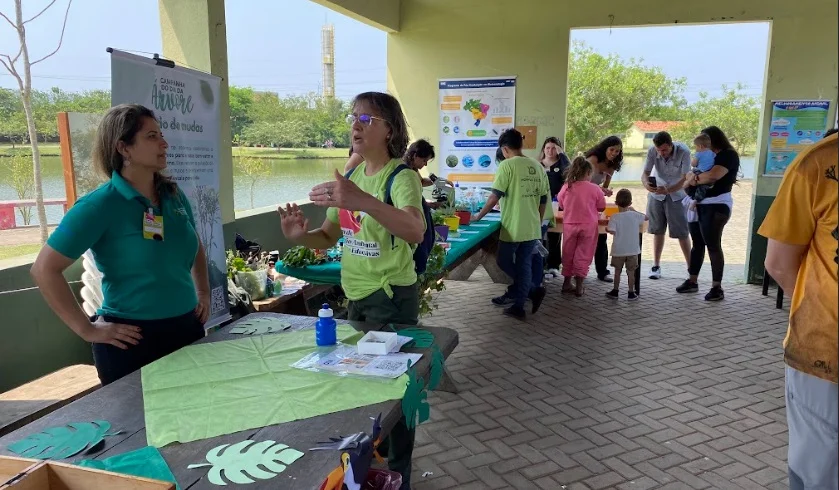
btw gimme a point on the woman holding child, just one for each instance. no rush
(712, 212)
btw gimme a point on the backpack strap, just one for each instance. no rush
(389, 183)
(349, 173)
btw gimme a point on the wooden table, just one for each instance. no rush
(121, 403)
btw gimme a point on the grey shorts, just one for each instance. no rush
(667, 214)
(812, 420)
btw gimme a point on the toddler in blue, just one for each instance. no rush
(702, 161)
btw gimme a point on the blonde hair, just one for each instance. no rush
(579, 170)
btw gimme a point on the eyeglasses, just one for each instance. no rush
(364, 119)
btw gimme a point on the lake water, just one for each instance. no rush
(289, 180)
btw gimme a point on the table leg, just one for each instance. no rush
(638, 270)
(447, 384)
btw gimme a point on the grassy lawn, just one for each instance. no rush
(12, 251)
(47, 149)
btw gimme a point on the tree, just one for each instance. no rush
(606, 94)
(24, 81)
(736, 113)
(20, 173)
(253, 168)
(241, 106)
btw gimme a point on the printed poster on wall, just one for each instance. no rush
(186, 105)
(473, 113)
(796, 124)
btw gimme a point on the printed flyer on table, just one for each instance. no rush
(473, 113)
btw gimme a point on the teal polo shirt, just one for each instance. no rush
(142, 279)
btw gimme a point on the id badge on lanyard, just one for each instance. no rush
(152, 226)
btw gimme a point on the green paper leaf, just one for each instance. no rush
(62, 442)
(422, 338)
(438, 364)
(415, 406)
(145, 462)
(260, 326)
(243, 461)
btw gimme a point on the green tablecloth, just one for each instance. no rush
(461, 242)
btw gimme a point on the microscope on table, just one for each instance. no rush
(443, 192)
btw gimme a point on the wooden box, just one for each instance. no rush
(11, 467)
(60, 476)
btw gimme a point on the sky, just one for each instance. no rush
(274, 45)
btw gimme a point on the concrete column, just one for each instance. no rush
(195, 35)
(792, 72)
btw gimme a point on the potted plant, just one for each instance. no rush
(440, 226)
(464, 214)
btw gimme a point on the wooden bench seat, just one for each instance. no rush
(37, 398)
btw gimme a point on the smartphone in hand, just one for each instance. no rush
(652, 181)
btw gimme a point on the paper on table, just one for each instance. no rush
(456, 239)
(218, 388)
(480, 225)
(469, 232)
(401, 340)
(345, 359)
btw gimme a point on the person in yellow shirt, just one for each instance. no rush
(802, 256)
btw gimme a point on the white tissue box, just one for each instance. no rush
(377, 343)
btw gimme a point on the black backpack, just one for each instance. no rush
(423, 250)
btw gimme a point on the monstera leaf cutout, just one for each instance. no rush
(438, 366)
(415, 406)
(243, 461)
(62, 442)
(422, 338)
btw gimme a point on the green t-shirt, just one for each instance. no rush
(522, 184)
(142, 279)
(372, 258)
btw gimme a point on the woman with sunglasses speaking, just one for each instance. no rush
(377, 266)
(140, 229)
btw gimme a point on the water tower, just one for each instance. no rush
(328, 54)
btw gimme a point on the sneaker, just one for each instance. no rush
(655, 273)
(688, 287)
(605, 278)
(715, 294)
(613, 294)
(502, 300)
(552, 273)
(516, 312)
(537, 296)
(632, 296)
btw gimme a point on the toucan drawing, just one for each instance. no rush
(357, 452)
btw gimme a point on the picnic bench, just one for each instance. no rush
(121, 403)
(472, 245)
(26, 403)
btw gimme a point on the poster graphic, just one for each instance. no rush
(473, 113)
(796, 124)
(186, 105)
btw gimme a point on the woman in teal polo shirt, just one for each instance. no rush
(140, 228)
(377, 265)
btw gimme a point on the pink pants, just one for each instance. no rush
(579, 242)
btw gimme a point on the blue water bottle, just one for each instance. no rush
(326, 329)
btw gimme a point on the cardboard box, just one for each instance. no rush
(48, 475)
(377, 343)
(11, 468)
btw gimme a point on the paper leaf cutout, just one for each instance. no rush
(260, 326)
(422, 338)
(438, 366)
(415, 406)
(243, 461)
(145, 462)
(62, 442)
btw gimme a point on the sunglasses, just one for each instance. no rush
(364, 119)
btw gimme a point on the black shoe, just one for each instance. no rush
(516, 312)
(502, 300)
(715, 294)
(605, 278)
(688, 287)
(537, 296)
(613, 294)
(632, 296)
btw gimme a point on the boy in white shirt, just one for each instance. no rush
(625, 226)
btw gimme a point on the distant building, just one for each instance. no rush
(640, 134)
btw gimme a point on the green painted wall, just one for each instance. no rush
(530, 39)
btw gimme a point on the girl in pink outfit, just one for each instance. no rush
(582, 202)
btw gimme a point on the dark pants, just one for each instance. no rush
(160, 338)
(403, 309)
(516, 260)
(601, 256)
(707, 233)
(554, 250)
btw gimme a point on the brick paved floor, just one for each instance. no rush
(666, 392)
